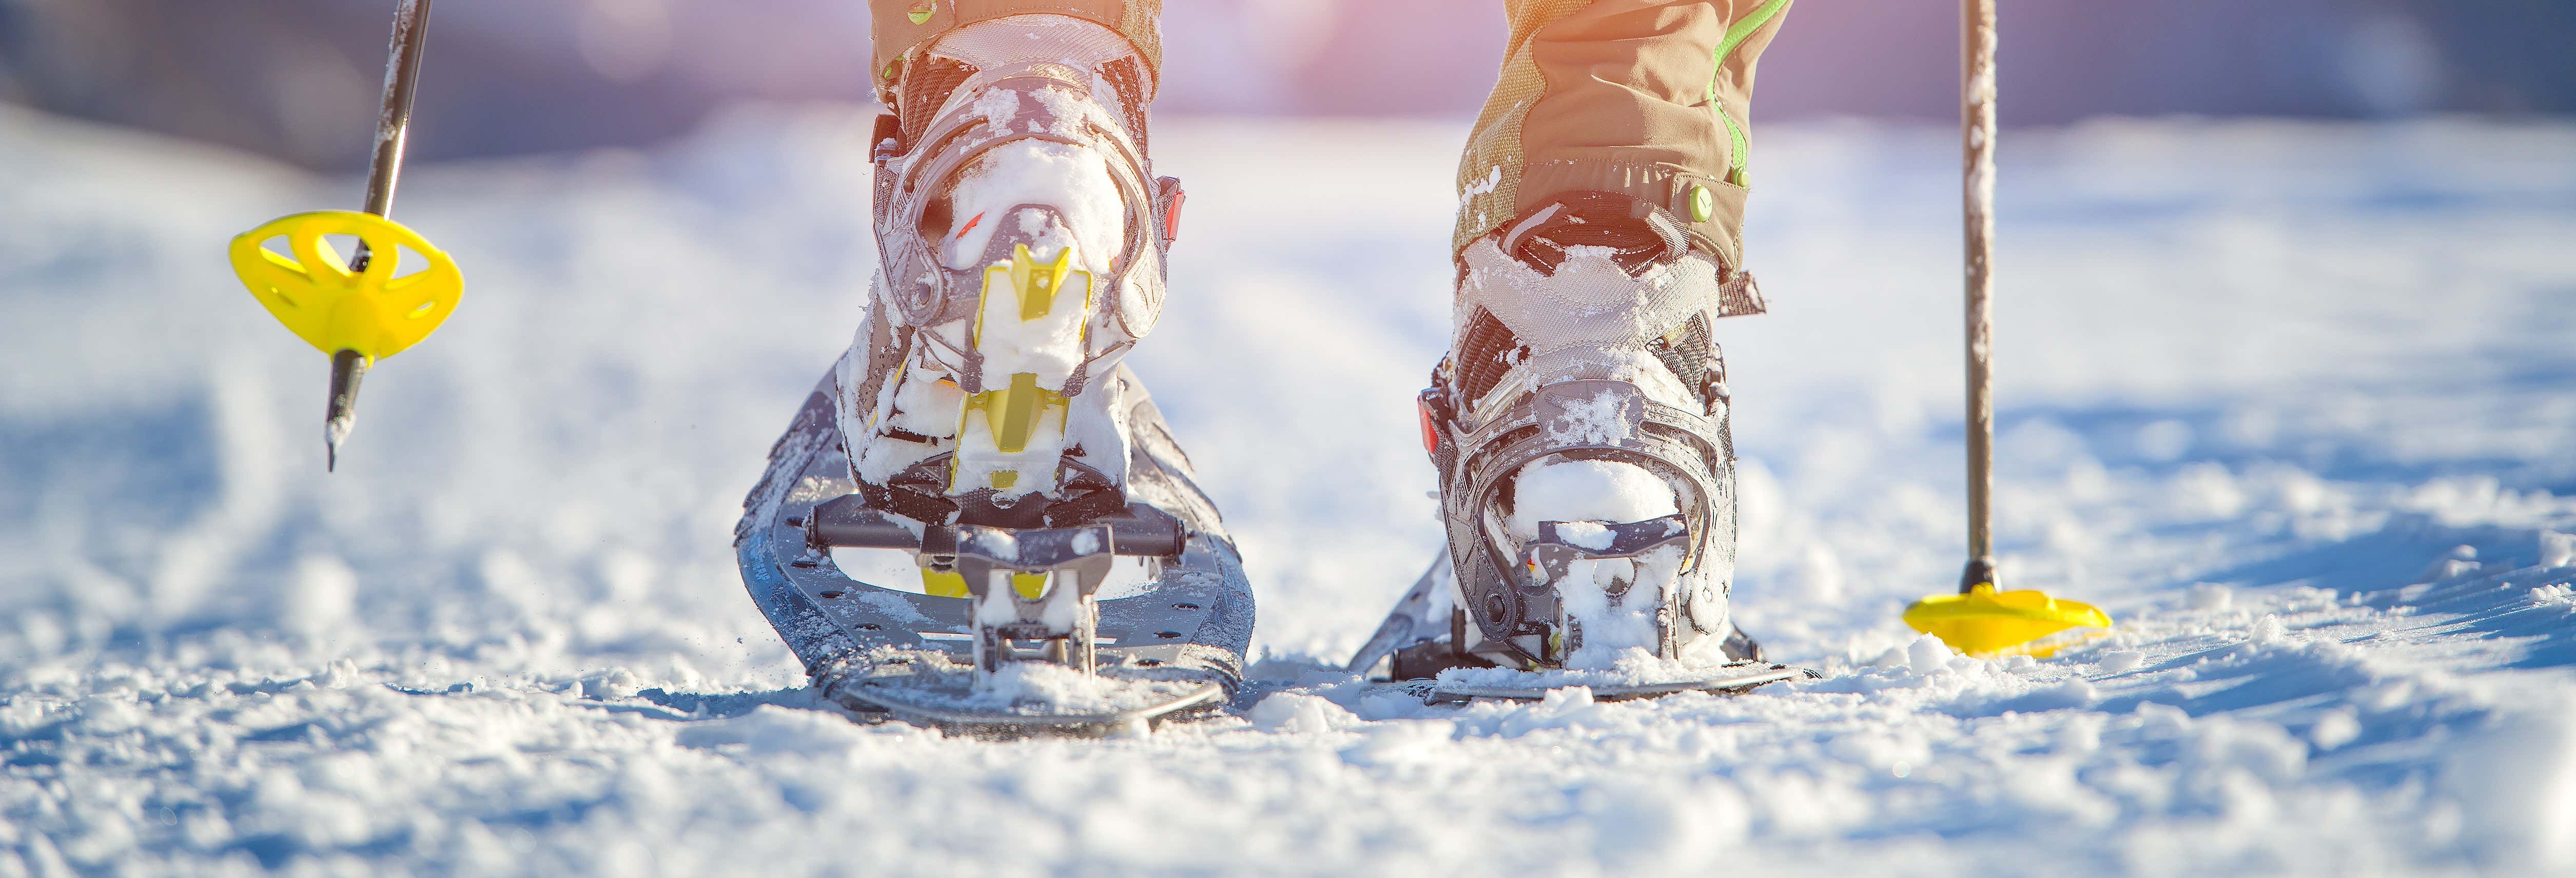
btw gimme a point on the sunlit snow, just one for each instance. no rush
(2291, 401)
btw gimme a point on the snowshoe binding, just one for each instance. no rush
(1036, 554)
(1579, 426)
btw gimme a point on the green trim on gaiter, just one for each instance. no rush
(1736, 34)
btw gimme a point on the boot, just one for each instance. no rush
(1580, 428)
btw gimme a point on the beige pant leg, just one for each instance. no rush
(902, 28)
(1643, 97)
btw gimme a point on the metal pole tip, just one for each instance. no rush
(348, 368)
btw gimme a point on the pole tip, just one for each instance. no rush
(348, 368)
(335, 431)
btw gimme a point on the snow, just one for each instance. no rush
(1589, 535)
(1601, 420)
(1579, 494)
(1580, 491)
(1074, 179)
(508, 637)
(1050, 347)
(1040, 688)
(1634, 665)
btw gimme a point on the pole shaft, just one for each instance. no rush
(1977, 132)
(384, 169)
(402, 79)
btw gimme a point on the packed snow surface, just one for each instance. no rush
(2291, 401)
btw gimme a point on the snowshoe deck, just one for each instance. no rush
(1413, 645)
(1605, 686)
(930, 687)
(1175, 645)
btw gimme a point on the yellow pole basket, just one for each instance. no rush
(1984, 622)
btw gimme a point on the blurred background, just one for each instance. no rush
(298, 79)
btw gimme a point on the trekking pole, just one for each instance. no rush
(1977, 132)
(384, 170)
(1982, 620)
(393, 123)
(362, 312)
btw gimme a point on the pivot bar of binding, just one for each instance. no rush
(847, 522)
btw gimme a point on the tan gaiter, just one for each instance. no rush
(1643, 97)
(902, 28)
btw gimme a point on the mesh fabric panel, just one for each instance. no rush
(1485, 354)
(925, 88)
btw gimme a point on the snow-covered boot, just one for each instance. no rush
(982, 418)
(1579, 424)
(1021, 241)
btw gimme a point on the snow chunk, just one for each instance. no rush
(1601, 420)
(1928, 653)
(1587, 490)
(1074, 180)
(2335, 729)
(998, 105)
(2121, 661)
(2557, 549)
(2516, 785)
(1587, 534)
(1300, 713)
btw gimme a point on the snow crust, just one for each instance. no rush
(2330, 510)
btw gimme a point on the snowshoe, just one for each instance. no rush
(983, 429)
(1579, 426)
(1021, 651)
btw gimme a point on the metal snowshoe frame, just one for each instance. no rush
(1415, 638)
(885, 650)
(1511, 595)
(1733, 677)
